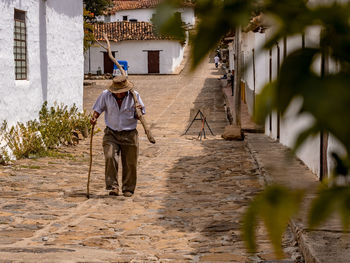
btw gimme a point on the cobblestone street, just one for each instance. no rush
(189, 199)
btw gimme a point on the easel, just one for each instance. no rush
(204, 121)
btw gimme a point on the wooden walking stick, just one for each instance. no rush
(138, 110)
(90, 164)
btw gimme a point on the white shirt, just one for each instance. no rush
(122, 119)
(216, 59)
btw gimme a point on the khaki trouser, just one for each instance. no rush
(125, 143)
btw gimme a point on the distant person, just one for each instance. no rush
(218, 53)
(216, 60)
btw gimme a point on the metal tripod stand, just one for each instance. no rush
(204, 122)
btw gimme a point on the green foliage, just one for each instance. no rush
(275, 206)
(88, 29)
(325, 96)
(215, 19)
(172, 24)
(92, 9)
(329, 201)
(97, 7)
(56, 126)
(24, 140)
(58, 122)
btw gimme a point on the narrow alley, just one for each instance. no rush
(189, 199)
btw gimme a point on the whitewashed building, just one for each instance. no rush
(136, 43)
(41, 56)
(143, 11)
(264, 66)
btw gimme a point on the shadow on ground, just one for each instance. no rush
(209, 192)
(210, 102)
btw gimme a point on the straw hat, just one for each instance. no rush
(120, 84)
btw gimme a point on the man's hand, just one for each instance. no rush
(94, 117)
(93, 120)
(137, 107)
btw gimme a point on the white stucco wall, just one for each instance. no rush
(261, 63)
(135, 52)
(65, 51)
(145, 15)
(290, 125)
(54, 62)
(139, 14)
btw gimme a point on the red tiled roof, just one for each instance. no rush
(119, 5)
(119, 31)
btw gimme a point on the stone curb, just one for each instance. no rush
(310, 256)
(307, 252)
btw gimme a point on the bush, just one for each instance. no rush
(23, 140)
(57, 125)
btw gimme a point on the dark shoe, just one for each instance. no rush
(114, 192)
(127, 194)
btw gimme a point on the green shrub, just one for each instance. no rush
(24, 140)
(57, 125)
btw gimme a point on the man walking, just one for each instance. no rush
(216, 60)
(120, 134)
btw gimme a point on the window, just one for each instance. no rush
(125, 18)
(133, 20)
(20, 45)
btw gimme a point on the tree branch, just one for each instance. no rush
(111, 56)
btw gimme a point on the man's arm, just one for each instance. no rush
(94, 118)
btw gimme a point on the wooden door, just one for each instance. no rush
(153, 61)
(107, 63)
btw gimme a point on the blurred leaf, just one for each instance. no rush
(312, 131)
(328, 201)
(345, 210)
(322, 206)
(206, 39)
(328, 100)
(168, 23)
(290, 16)
(341, 167)
(215, 19)
(295, 75)
(275, 206)
(250, 223)
(265, 102)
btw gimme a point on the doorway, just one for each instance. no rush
(153, 62)
(107, 63)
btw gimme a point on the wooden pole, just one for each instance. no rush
(254, 91)
(90, 164)
(238, 72)
(324, 134)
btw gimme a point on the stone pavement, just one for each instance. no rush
(188, 202)
(325, 244)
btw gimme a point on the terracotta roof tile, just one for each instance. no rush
(118, 5)
(119, 31)
(131, 4)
